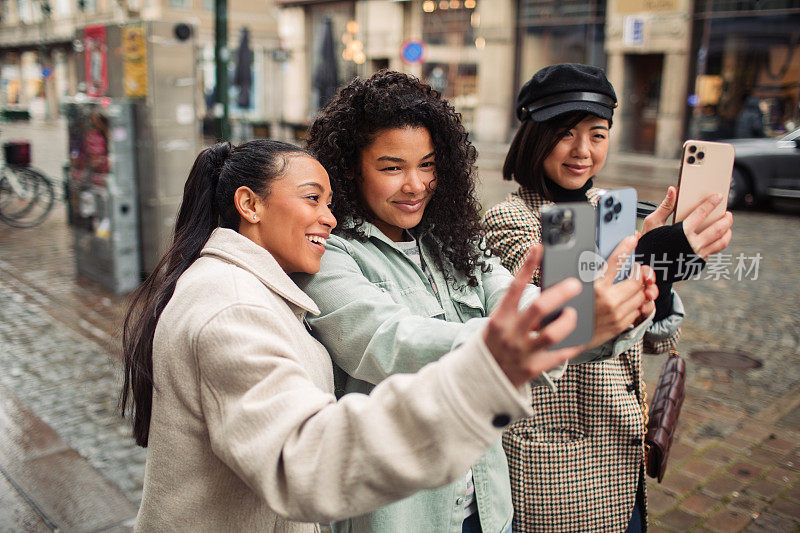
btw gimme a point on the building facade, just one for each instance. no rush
(682, 68)
(38, 48)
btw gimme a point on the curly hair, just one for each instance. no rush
(389, 100)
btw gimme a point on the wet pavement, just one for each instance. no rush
(67, 460)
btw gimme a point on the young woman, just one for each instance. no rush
(234, 399)
(577, 463)
(404, 279)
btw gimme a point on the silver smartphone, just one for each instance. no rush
(568, 234)
(616, 220)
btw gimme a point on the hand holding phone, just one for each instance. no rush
(711, 238)
(706, 169)
(620, 304)
(519, 355)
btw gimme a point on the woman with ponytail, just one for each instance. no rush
(234, 399)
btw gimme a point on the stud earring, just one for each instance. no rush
(255, 219)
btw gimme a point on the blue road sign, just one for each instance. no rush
(413, 51)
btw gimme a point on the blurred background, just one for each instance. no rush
(682, 68)
(104, 104)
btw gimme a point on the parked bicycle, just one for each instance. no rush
(26, 194)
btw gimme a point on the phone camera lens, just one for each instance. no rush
(617, 208)
(690, 159)
(608, 216)
(568, 227)
(700, 155)
(609, 201)
(692, 149)
(553, 236)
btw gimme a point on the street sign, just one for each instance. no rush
(633, 33)
(413, 51)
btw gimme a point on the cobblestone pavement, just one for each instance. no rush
(70, 382)
(734, 466)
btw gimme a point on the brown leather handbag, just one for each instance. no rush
(663, 415)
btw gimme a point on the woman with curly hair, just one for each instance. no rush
(404, 278)
(233, 398)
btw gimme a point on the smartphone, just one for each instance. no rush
(568, 234)
(616, 220)
(706, 168)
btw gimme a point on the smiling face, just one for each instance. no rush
(579, 154)
(294, 219)
(398, 178)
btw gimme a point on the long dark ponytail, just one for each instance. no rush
(207, 204)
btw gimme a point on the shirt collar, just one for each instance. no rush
(537, 201)
(371, 231)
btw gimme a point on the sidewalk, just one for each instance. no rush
(67, 460)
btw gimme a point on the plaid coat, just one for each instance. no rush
(575, 464)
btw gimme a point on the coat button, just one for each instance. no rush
(630, 387)
(459, 501)
(636, 442)
(501, 421)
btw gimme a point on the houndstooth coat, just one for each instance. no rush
(575, 464)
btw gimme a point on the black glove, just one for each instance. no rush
(668, 252)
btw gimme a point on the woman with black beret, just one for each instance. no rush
(577, 464)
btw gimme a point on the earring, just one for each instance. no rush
(255, 219)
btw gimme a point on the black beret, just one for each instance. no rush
(566, 87)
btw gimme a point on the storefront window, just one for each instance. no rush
(336, 50)
(448, 22)
(450, 67)
(749, 73)
(560, 31)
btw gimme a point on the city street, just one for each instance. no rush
(67, 460)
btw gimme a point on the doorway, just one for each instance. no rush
(643, 98)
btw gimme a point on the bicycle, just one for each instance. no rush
(26, 195)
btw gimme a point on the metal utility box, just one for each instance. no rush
(168, 134)
(152, 66)
(103, 199)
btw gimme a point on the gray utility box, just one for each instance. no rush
(168, 135)
(152, 65)
(103, 200)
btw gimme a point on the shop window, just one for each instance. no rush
(752, 65)
(29, 12)
(555, 12)
(560, 31)
(448, 22)
(63, 8)
(733, 6)
(335, 40)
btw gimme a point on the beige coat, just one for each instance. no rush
(246, 433)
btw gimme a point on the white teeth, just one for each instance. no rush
(316, 239)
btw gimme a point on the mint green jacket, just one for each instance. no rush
(379, 316)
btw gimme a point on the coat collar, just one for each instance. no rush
(537, 201)
(237, 249)
(371, 231)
